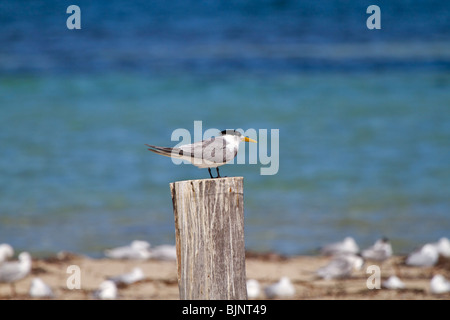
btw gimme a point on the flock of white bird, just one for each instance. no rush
(13, 271)
(136, 250)
(141, 250)
(346, 257)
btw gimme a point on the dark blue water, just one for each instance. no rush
(211, 37)
(364, 119)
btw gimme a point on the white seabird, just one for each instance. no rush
(393, 282)
(439, 284)
(6, 252)
(13, 271)
(164, 252)
(138, 249)
(348, 245)
(380, 251)
(443, 247)
(426, 256)
(107, 290)
(209, 153)
(253, 289)
(340, 266)
(39, 289)
(128, 278)
(281, 289)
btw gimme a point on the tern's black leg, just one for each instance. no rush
(210, 174)
(218, 174)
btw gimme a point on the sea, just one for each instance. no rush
(362, 115)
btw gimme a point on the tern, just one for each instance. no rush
(381, 250)
(209, 153)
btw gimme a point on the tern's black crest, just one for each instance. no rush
(231, 132)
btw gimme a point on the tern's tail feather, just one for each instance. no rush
(168, 152)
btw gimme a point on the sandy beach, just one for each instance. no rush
(160, 281)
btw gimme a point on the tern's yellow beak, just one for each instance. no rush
(246, 139)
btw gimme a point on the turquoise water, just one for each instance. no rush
(363, 118)
(362, 154)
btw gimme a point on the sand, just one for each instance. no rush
(161, 278)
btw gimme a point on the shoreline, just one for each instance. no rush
(161, 282)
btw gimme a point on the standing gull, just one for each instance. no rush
(12, 271)
(209, 153)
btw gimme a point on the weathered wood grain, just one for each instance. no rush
(209, 229)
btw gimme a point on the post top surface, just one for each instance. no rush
(222, 179)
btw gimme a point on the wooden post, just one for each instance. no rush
(209, 231)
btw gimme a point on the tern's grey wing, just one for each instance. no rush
(196, 149)
(168, 152)
(212, 150)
